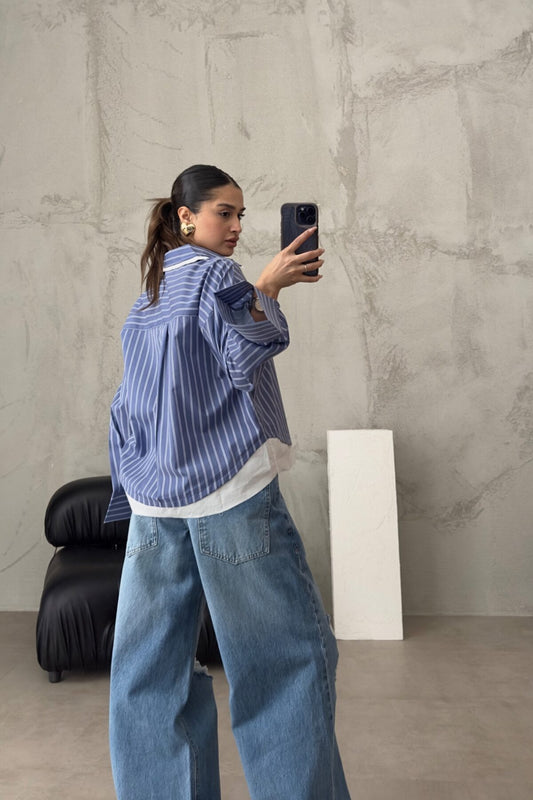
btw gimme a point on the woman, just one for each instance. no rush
(197, 438)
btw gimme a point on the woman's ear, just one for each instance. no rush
(184, 214)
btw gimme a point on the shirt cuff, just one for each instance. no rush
(234, 308)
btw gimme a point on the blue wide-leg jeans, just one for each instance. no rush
(277, 647)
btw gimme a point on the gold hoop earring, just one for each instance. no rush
(187, 228)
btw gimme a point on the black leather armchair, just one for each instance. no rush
(76, 620)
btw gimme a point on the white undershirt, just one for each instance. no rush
(270, 459)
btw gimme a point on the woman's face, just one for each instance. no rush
(218, 222)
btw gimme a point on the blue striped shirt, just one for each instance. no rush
(199, 394)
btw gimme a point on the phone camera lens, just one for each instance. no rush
(306, 215)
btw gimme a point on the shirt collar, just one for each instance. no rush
(184, 255)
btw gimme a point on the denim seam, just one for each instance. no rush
(324, 657)
(194, 751)
(146, 545)
(323, 648)
(181, 721)
(239, 559)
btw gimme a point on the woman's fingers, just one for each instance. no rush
(288, 267)
(303, 278)
(300, 272)
(303, 237)
(297, 259)
(310, 255)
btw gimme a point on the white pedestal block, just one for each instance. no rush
(365, 559)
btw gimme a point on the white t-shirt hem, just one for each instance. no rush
(268, 461)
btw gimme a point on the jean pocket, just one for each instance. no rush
(240, 534)
(142, 535)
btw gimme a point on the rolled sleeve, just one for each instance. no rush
(233, 305)
(238, 342)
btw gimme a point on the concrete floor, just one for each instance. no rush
(447, 714)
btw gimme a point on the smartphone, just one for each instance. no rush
(295, 219)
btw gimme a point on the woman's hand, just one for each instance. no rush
(287, 268)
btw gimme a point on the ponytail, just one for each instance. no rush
(162, 237)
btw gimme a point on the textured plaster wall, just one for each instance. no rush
(411, 122)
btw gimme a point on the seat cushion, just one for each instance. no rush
(76, 621)
(75, 515)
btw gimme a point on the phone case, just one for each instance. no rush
(295, 219)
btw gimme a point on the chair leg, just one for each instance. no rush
(55, 676)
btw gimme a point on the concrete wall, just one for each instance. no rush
(411, 122)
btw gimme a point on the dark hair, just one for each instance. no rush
(191, 188)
